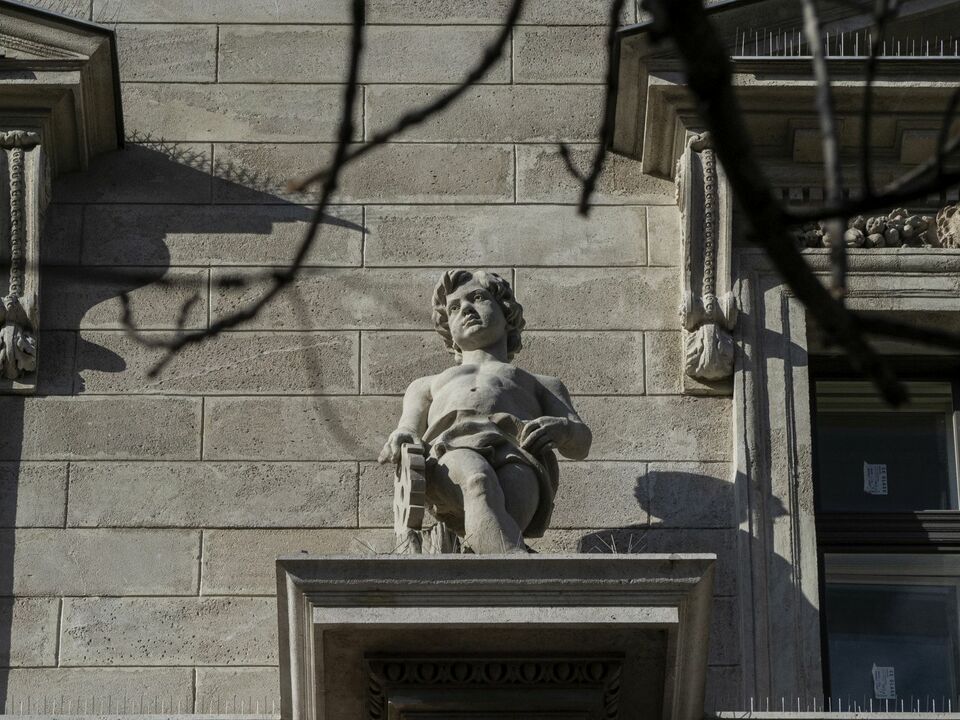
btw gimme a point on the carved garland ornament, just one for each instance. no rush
(708, 315)
(18, 342)
(896, 229)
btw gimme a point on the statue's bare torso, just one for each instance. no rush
(486, 389)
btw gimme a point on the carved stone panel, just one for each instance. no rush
(24, 195)
(708, 309)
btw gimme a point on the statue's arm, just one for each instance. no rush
(413, 420)
(569, 434)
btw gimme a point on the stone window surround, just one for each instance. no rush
(777, 547)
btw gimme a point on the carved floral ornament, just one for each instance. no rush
(18, 313)
(899, 228)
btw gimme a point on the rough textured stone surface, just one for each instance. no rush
(622, 299)
(238, 689)
(56, 371)
(546, 12)
(331, 299)
(247, 362)
(512, 234)
(239, 562)
(182, 235)
(490, 113)
(33, 494)
(376, 495)
(167, 52)
(92, 299)
(62, 230)
(32, 627)
(101, 562)
(147, 172)
(691, 495)
(101, 428)
(664, 363)
(664, 241)
(223, 11)
(542, 176)
(169, 631)
(724, 632)
(110, 686)
(267, 113)
(316, 54)
(593, 494)
(724, 688)
(297, 428)
(559, 54)
(657, 428)
(392, 360)
(396, 173)
(213, 495)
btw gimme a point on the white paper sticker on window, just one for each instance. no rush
(874, 479)
(884, 683)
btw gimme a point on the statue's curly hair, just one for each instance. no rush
(496, 286)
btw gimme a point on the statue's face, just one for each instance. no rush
(475, 317)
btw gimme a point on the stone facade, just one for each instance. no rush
(143, 515)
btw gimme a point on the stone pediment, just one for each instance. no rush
(58, 77)
(919, 62)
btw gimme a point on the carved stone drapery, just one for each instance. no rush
(25, 193)
(708, 309)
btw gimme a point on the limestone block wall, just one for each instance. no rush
(143, 514)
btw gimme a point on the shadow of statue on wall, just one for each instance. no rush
(145, 221)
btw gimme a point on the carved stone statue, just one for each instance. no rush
(474, 444)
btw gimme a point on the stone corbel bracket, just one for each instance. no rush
(24, 195)
(708, 309)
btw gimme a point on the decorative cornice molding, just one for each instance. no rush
(898, 228)
(708, 309)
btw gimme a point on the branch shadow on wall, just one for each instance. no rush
(692, 512)
(144, 221)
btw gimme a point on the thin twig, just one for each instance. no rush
(491, 55)
(589, 181)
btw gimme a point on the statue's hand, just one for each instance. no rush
(391, 449)
(544, 433)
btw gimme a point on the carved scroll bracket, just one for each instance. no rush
(24, 195)
(708, 309)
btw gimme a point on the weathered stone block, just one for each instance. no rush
(173, 53)
(542, 176)
(243, 690)
(691, 495)
(724, 633)
(158, 172)
(56, 369)
(101, 562)
(614, 299)
(598, 494)
(243, 562)
(322, 298)
(390, 361)
(251, 363)
(31, 624)
(592, 363)
(236, 112)
(664, 240)
(169, 631)
(92, 299)
(109, 428)
(33, 494)
(657, 428)
(70, 690)
(664, 364)
(62, 230)
(397, 173)
(222, 11)
(376, 495)
(317, 54)
(491, 113)
(493, 12)
(298, 428)
(506, 235)
(559, 54)
(213, 495)
(200, 235)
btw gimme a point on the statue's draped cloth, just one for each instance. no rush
(496, 438)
